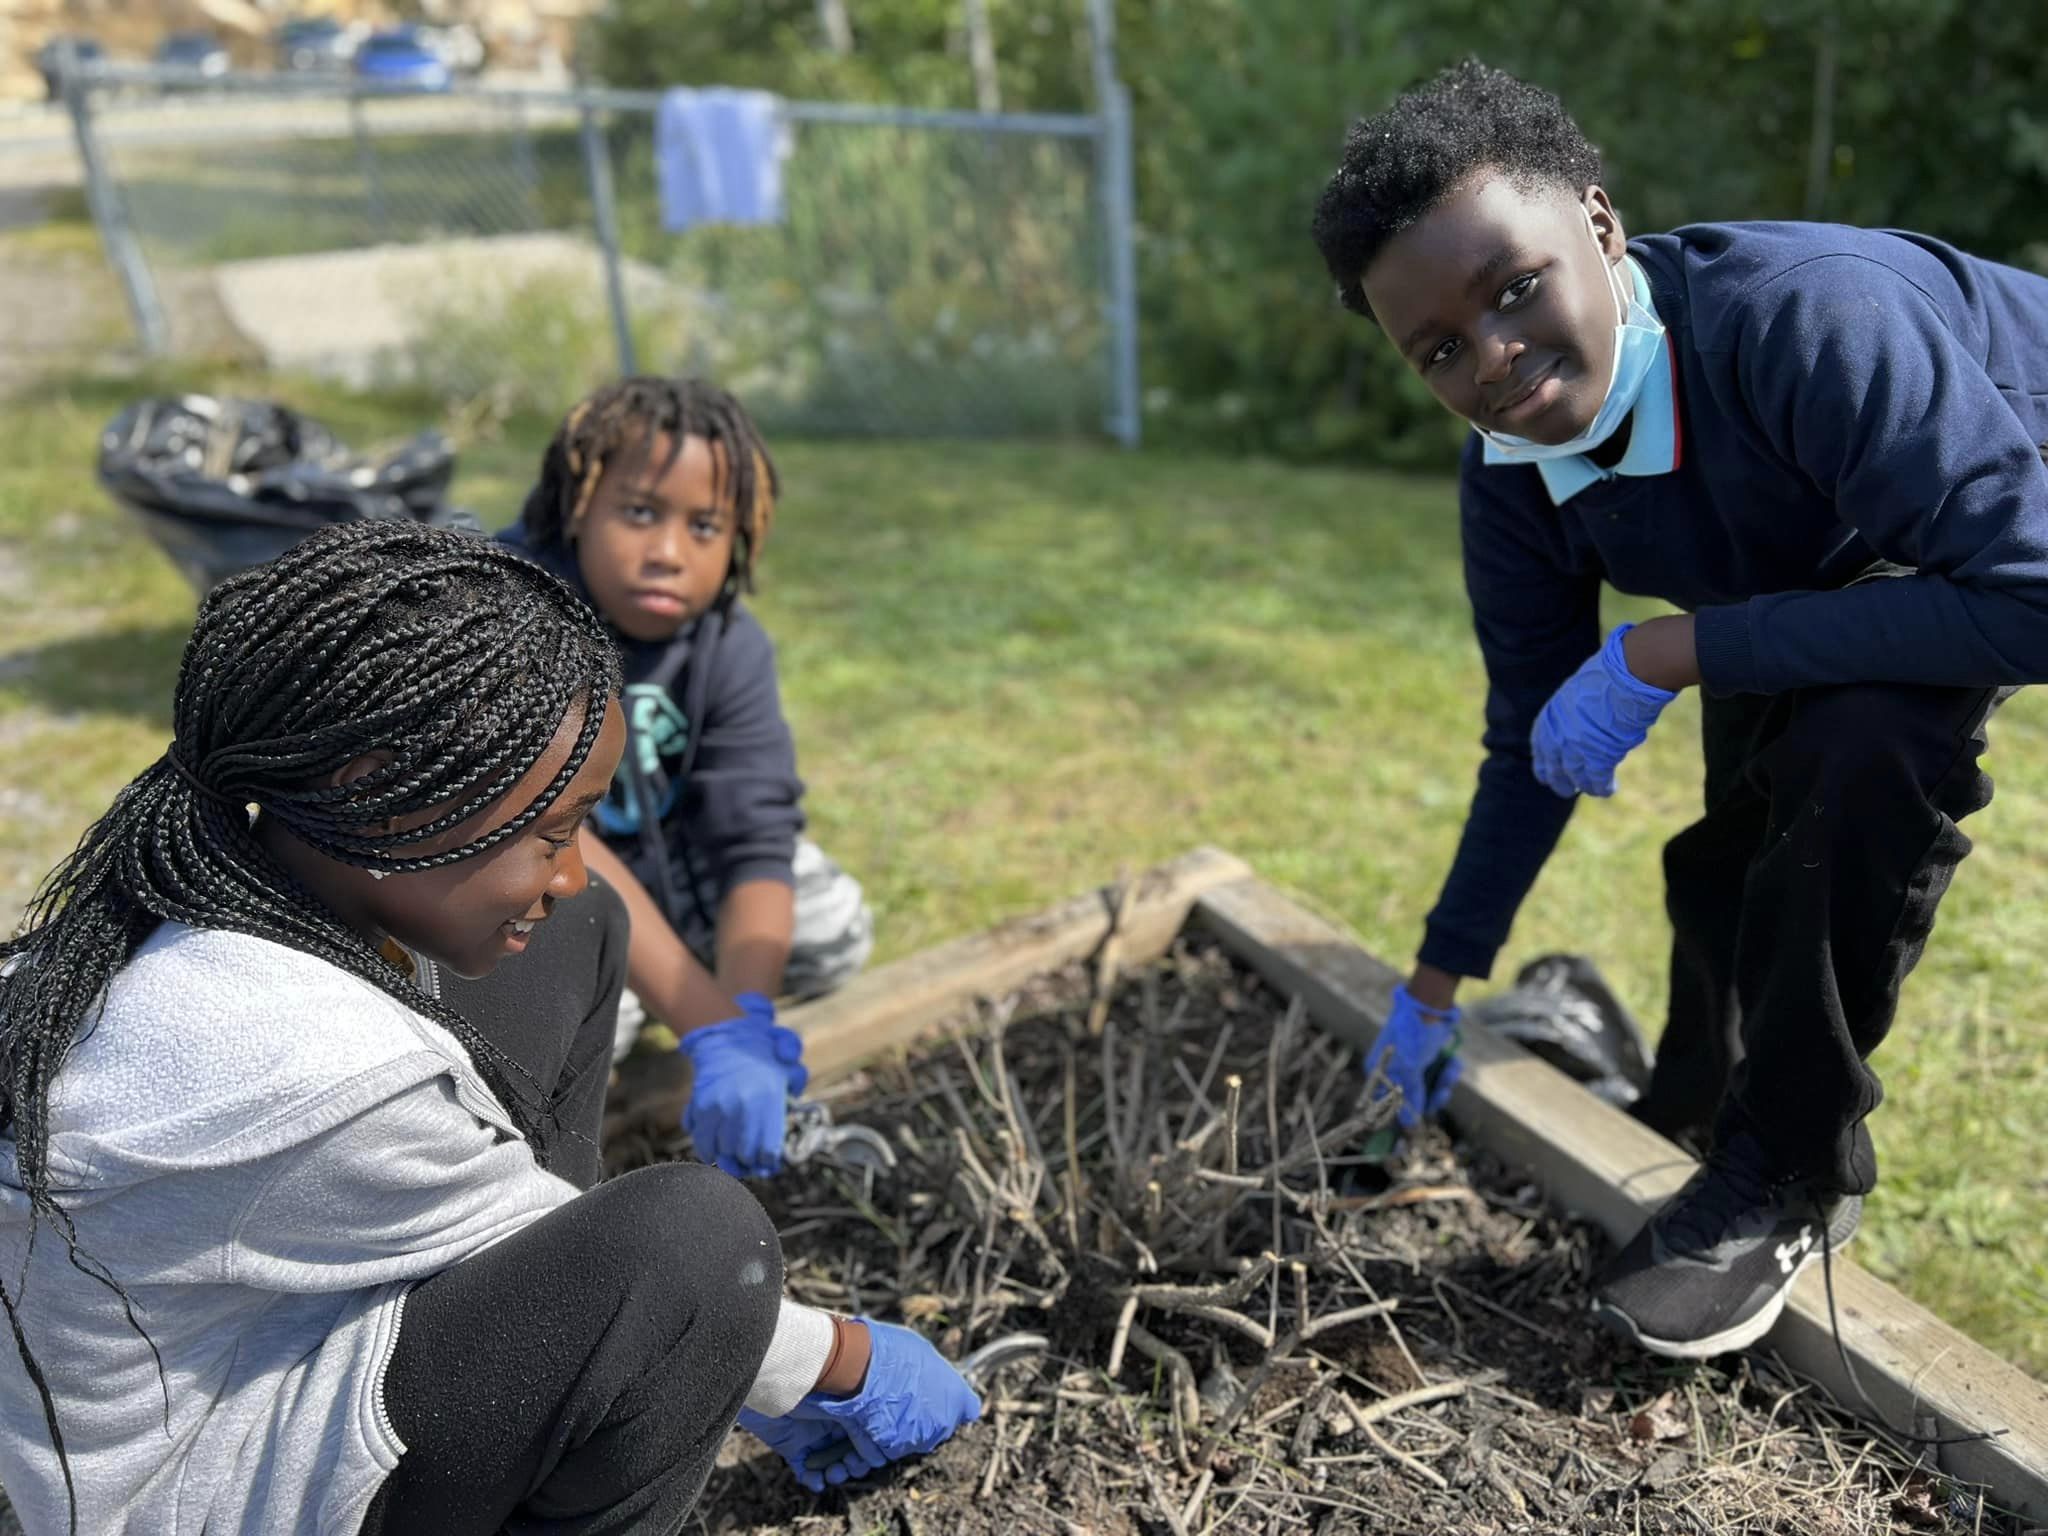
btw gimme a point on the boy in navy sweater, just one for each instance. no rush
(654, 500)
(1822, 444)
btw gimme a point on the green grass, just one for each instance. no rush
(64, 233)
(1013, 668)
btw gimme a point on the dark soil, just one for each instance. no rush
(1471, 1395)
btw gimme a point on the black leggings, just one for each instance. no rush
(579, 1377)
(1800, 902)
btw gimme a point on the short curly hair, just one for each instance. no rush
(1403, 162)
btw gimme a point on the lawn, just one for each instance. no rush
(1014, 668)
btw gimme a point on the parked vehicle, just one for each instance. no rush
(315, 44)
(53, 56)
(399, 61)
(198, 55)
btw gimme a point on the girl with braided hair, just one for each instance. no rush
(280, 1248)
(654, 500)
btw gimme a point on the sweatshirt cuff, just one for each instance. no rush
(781, 871)
(796, 1358)
(1456, 953)
(1723, 647)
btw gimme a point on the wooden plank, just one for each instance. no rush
(1597, 1161)
(892, 1005)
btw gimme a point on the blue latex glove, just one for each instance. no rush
(1601, 714)
(745, 1071)
(797, 1441)
(1411, 1040)
(911, 1402)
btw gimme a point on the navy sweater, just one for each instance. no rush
(1845, 397)
(707, 795)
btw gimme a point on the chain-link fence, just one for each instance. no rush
(928, 273)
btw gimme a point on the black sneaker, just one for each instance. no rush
(1710, 1272)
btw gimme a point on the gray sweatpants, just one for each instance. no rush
(835, 934)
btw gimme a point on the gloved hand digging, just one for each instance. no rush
(1602, 713)
(1411, 1040)
(746, 1070)
(912, 1402)
(796, 1441)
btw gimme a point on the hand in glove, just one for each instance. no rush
(745, 1072)
(1411, 1041)
(911, 1402)
(1602, 713)
(797, 1441)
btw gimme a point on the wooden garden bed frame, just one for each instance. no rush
(1590, 1158)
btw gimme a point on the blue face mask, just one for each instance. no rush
(1638, 336)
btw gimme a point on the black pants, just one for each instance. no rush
(579, 1377)
(1799, 902)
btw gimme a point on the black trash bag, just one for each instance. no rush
(1562, 1009)
(222, 485)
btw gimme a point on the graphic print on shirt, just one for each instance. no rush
(656, 735)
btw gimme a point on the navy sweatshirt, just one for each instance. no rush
(707, 795)
(1845, 398)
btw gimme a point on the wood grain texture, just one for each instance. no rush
(890, 1006)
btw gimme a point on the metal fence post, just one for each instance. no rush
(366, 163)
(1119, 225)
(597, 167)
(524, 158)
(1120, 221)
(110, 214)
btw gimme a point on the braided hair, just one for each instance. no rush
(452, 655)
(625, 417)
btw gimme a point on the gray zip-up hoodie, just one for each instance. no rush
(265, 1151)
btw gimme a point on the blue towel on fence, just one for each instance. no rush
(718, 157)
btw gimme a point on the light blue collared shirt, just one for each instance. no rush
(1653, 433)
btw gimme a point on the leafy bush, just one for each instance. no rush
(530, 347)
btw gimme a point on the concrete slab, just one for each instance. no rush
(356, 315)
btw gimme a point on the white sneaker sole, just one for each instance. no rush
(1728, 1340)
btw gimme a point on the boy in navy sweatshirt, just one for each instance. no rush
(1823, 445)
(654, 499)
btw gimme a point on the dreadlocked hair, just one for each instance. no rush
(1403, 162)
(625, 418)
(452, 655)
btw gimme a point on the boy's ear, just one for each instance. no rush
(763, 517)
(1606, 222)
